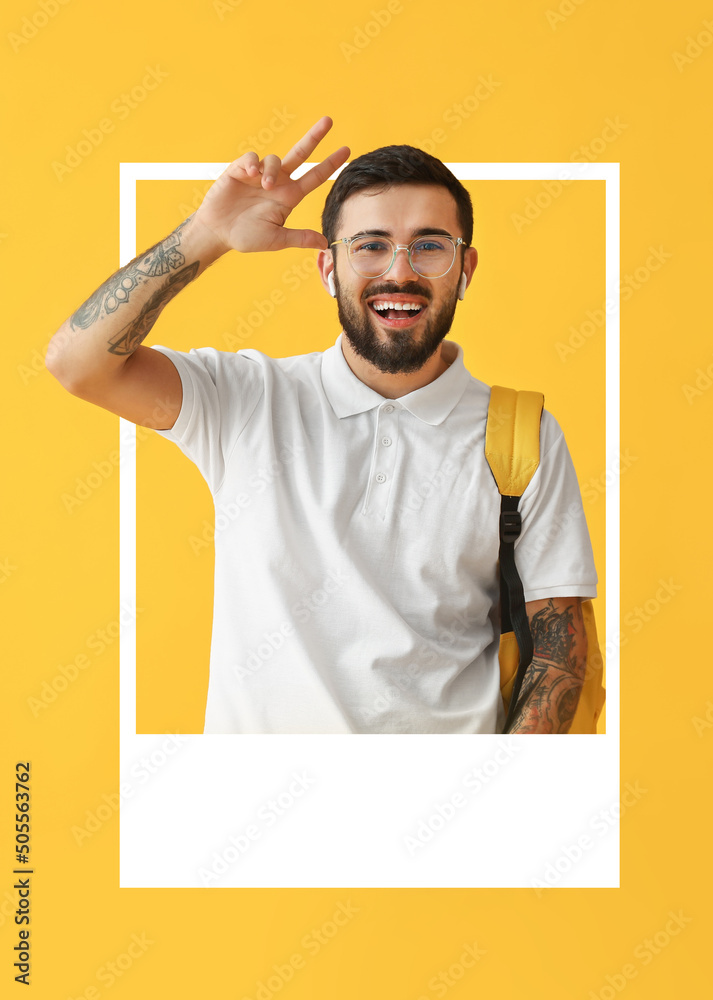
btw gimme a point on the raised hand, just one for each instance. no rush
(247, 206)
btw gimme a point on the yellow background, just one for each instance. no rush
(560, 77)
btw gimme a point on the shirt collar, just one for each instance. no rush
(431, 403)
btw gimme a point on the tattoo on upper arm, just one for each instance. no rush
(551, 687)
(128, 339)
(553, 635)
(162, 258)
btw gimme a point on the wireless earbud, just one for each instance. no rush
(330, 282)
(463, 284)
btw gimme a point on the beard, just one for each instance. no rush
(403, 351)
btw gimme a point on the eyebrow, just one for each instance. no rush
(423, 231)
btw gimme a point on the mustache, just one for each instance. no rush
(411, 289)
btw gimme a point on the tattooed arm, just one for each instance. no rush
(97, 355)
(103, 333)
(552, 684)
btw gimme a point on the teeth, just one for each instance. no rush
(382, 306)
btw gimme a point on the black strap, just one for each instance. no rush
(513, 614)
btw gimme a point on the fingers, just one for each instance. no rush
(303, 239)
(303, 148)
(270, 169)
(319, 173)
(247, 165)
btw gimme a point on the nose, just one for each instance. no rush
(401, 269)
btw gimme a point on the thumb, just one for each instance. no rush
(304, 239)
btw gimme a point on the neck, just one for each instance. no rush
(391, 386)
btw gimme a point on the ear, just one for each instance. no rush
(325, 264)
(470, 262)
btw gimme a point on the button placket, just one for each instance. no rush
(383, 461)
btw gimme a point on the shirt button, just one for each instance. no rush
(380, 477)
(386, 441)
(388, 409)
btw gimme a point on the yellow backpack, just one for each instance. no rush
(512, 448)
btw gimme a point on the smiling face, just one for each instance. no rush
(403, 344)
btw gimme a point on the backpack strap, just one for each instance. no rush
(512, 438)
(512, 448)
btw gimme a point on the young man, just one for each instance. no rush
(356, 587)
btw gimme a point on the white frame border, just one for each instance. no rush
(176, 821)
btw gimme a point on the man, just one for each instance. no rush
(356, 585)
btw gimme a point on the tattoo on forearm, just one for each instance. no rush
(128, 339)
(159, 259)
(551, 687)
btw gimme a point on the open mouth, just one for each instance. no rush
(405, 314)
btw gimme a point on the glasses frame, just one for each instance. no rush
(348, 240)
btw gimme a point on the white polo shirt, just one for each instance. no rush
(356, 544)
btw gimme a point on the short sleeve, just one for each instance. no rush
(554, 551)
(220, 392)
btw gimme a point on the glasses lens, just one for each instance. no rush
(370, 255)
(431, 256)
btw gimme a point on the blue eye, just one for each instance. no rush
(372, 245)
(428, 245)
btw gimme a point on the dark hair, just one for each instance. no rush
(394, 165)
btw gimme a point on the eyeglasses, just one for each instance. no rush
(430, 256)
